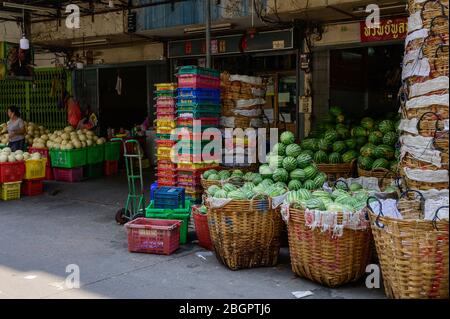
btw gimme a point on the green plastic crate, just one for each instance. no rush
(191, 69)
(183, 214)
(95, 154)
(68, 158)
(112, 151)
(93, 170)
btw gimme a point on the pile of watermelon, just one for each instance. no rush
(248, 191)
(371, 142)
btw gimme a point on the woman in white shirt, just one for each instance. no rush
(16, 129)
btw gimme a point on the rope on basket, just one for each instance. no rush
(436, 218)
(342, 181)
(422, 198)
(377, 220)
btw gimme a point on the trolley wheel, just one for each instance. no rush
(122, 216)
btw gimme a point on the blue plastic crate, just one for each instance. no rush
(202, 94)
(153, 188)
(169, 197)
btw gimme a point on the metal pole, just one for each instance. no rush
(208, 32)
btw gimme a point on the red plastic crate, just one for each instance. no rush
(185, 121)
(49, 173)
(32, 187)
(165, 143)
(43, 151)
(166, 178)
(153, 236)
(111, 168)
(165, 183)
(165, 101)
(198, 81)
(12, 172)
(166, 166)
(165, 116)
(202, 229)
(71, 175)
(167, 109)
(188, 177)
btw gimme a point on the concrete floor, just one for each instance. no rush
(40, 236)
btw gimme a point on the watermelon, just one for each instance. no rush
(360, 141)
(310, 172)
(266, 182)
(338, 192)
(276, 161)
(358, 131)
(342, 131)
(220, 194)
(265, 171)
(375, 137)
(320, 157)
(335, 111)
(209, 172)
(335, 158)
(390, 138)
(386, 126)
(294, 185)
(213, 177)
(289, 163)
(349, 156)
(256, 179)
(297, 174)
(304, 160)
(367, 150)
(320, 194)
(293, 150)
(280, 175)
(380, 163)
(351, 144)
(339, 147)
(304, 194)
(287, 138)
(279, 149)
(367, 123)
(330, 136)
(315, 203)
(224, 175)
(213, 189)
(237, 173)
(384, 151)
(237, 195)
(248, 176)
(323, 145)
(280, 185)
(365, 163)
(229, 187)
(309, 144)
(355, 187)
(320, 179)
(310, 185)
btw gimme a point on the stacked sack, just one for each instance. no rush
(243, 99)
(425, 99)
(198, 108)
(165, 126)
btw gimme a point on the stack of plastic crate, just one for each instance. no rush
(165, 128)
(198, 108)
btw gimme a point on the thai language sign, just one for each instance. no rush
(388, 29)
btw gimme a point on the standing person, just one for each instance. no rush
(16, 129)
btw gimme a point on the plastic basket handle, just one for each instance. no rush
(343, 182)
(436, 218)
(397, 182)
(377, 221)
(442, 16)
(426, 113)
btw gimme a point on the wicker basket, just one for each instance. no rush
(379, 173)
(336, 171)
(245, 233)
(431, 9)
(328, 260)
(411, 162)
(441, 110)
(429, 124)
(237, 181)
(439, 62)
(413, 255)
(412, 184)
(411, 205)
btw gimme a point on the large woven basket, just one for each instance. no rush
(318, 256)
(336, 171)
(378, 173)
(413, 255)
(245, 233)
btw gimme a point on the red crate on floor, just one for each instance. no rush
(111, 168)
(32, 187)
(49, 173)
(43, 151)
(12, 172)
(198, 81)
(71, 175)
(202, 228)
(166, 166)
(153, 236)
(165, 143)
(164, 178)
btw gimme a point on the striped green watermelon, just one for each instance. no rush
(310, 144)
(386, 126)
(380, 163)
(287, 138)
(330, 136)
(280, 175)
(367, 150)
(349, 156)
(323, 145)
(297, 174)
(376, 137)
(293, 150)
(294, 185)
(397, 154)
(335, 158)
(358, 131)
(320, 157)
(310, 185)
(276, 161)
(390, 138)
(351, 144)
(367, 123)
(320, 179)
(315, 203)
(289, 163)
(304, 194)
(384, 151)
(365, 163)
(304, 159)
(360, 141)
(279, 149)
(342, 131)
(265, 171)
(339, 147)
(310, 172)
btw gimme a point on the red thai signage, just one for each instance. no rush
(389, 29)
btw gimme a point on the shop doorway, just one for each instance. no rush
(365, 81)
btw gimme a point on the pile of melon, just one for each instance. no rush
(69, 139)
(33, 133)
(7, 156)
